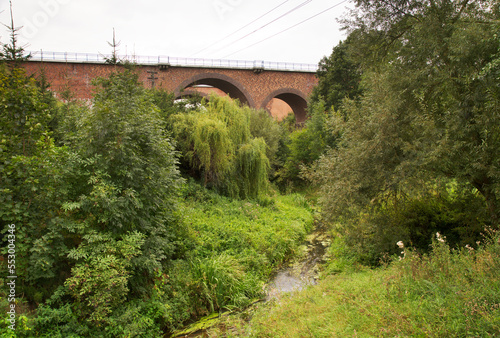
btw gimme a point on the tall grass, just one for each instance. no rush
(446, 293)
(236, 244)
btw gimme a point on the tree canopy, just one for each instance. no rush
(429, 111)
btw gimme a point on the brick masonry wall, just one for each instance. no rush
(258, 86)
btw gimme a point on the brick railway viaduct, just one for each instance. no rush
(255, 84)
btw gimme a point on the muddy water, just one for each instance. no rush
(294, 276)
(305, 269)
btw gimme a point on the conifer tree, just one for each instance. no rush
(12, 51)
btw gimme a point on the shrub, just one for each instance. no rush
(306, 145)
(413, 219)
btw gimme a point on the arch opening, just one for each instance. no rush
(205, 90)
(294, 99)
(204, 84)
(279, 109)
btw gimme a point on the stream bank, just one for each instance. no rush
(303, 270)
(295, 275)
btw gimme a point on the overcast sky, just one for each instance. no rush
(184, 28)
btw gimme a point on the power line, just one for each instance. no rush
(245, 26)
(267, 24)
(297, 24)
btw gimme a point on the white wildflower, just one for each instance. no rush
(401, 246)
(469, 247)
(440, 238)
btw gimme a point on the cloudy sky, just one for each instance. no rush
(300, 31)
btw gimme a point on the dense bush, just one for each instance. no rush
(96, 217)
(307, 144)
(455, 212)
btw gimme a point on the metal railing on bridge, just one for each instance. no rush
(174, 61)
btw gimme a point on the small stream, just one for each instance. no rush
(294, 276)
(304, 270)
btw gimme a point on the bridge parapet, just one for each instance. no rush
(167, 61)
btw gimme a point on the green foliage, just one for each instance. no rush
(446, 293)
(165, 101)
(458, 214)
(12, 52)
(138, 318)
(25, 112)
(114, 59)
(236, 246)
(99, 280)
(206, 144)
(221, 282)
(59, 321)
(306, 145)
(130, 168)
(264, 125)
(22, 325)
(253, 168)
(96, 215)
(264, 235)
(339, 77)
(33, 172)
(216, 140)
(427, 115)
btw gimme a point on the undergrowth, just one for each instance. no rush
(444, 293)
(231, 247)
(236, 246)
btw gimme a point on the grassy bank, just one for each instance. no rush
(448, 293)
(235, 245)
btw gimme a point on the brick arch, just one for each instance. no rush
(294, 98)
(223, 82)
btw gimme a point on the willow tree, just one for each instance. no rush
(216, 141)
(205, 144)
(252, 166)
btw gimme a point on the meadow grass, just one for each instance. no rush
(235, 246)
(259, 232)
(447, 293)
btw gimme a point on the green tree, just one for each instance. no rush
(130, 168)
(264, 125)
(306, 145)
(12, 51)
(429, 109)
(116, 222)
(114, 59)
(25, 112)
(216, 141)
(339, 77)
(31, 171)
